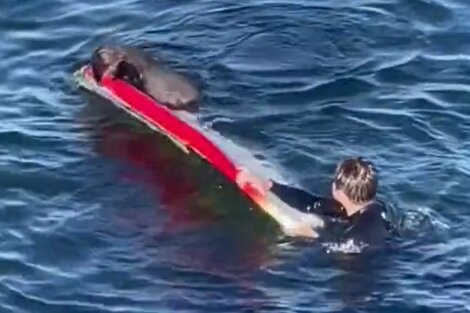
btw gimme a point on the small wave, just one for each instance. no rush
(421, 219)
(430, 13)
(416, 222)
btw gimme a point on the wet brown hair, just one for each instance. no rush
(357, 178)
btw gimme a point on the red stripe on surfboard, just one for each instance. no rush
(161, 117)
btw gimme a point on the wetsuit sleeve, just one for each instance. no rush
(306, 202)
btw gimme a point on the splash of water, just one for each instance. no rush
(347, 247)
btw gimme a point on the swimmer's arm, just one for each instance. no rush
(297, 198)
(294, 222)
(305, 201)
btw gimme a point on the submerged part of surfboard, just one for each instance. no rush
(176, 126)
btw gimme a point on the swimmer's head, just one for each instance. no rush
(355, 180)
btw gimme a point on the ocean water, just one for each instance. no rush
(99, 214)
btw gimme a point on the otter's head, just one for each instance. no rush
(113, 62)
(102, 58)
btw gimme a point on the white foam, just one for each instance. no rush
(348, 247)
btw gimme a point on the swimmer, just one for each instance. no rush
(147, 74)
(353, 203)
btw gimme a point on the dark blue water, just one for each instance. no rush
(97, 214)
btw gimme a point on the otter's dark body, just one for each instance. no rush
(149, 74)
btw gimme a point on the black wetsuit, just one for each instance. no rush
(368, 226)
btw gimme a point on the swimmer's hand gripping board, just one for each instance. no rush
(187, 137)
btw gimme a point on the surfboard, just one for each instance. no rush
(191, 138)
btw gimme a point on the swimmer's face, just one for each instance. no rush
(334, 191)
(338, 194)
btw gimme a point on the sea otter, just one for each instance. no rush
(148, 74)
